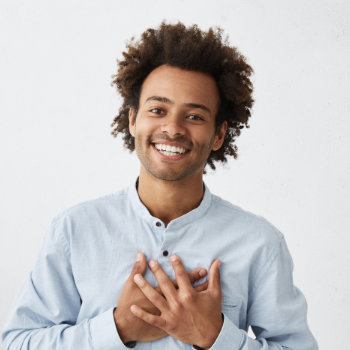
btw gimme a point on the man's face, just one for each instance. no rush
(174, 128)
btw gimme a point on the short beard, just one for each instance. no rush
(169, 175)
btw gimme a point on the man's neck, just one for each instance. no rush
(168, 200)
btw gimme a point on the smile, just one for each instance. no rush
(168, 150)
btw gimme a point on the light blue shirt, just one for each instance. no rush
(89, 250)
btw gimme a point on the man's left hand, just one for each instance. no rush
(188, 315)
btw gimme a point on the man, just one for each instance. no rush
(187, 95)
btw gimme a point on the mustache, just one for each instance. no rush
(180, 139)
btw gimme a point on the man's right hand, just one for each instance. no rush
(130, 327)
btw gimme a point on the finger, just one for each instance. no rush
(214, 276)
(181, 275)
(197, 274)
(194, 276)
(139, 266)
(150, 293)
(158, 290)
(153, 320)
(201, 287)
(164, 282)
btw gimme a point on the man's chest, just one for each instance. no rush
(102, 266)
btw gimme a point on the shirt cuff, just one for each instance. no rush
(230, 336)
(104, 332)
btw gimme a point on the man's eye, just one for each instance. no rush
(194, 117)
(156, 110)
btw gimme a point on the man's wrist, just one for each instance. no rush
(198, 347)
(121, 330)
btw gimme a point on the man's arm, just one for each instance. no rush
(276, 311)
(48, 305)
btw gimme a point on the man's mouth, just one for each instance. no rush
(169, 150)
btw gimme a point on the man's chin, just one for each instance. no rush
(174, 175)
(169, 176)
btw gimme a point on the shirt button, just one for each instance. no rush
(165, 253)
(158, 224)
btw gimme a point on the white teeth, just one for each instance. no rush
(169, 150)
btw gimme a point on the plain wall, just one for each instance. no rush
(56, 107)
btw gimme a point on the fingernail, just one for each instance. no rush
(173, 258)
(219, 264)
(138, 279)
(138, 257)
(152, 263)
(202, 273)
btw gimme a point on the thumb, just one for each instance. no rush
(139, 266)
(214, 277)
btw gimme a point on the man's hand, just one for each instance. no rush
(194, 317)
(130, 327)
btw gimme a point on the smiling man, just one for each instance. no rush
(175, 132)
(206, 270)
(172, 148)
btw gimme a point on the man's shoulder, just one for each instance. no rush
(95, 206)
(251, 225)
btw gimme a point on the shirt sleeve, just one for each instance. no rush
(47, 308)
(276, 312)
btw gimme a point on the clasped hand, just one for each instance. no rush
(129, 326)
(189, 315)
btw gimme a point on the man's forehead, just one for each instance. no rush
(172, 84)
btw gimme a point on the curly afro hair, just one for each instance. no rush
(192, 49)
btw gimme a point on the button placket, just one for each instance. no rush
(164, 252)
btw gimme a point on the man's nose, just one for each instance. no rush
(173, 125)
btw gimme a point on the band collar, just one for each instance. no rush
(141, 210)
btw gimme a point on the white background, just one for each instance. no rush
(56, 62)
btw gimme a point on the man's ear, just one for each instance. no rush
(132, 121)
(220, 136)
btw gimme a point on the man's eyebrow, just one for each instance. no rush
(166, 100)
(198, 105)
(160, 99)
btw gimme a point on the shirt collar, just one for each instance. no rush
(141, 210)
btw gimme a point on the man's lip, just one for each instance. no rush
(172, 144)
(172, 158)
